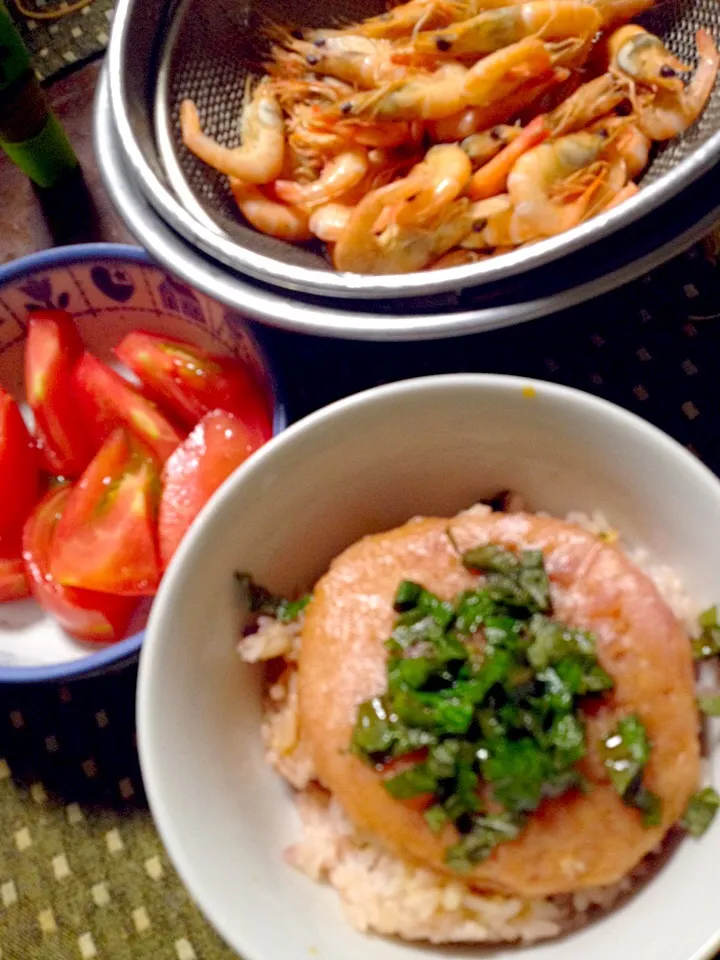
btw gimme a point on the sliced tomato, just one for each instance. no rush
(84, 614)
(13, 582)
(105, 538)
(19, 476)
(108, 402)
(217, 445)
(51, 351)
(189, 382)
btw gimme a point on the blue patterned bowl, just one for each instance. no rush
(110, 289)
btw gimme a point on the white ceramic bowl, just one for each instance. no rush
(427, 446)
(110, 289)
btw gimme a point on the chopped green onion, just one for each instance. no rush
(650, 805)
(488, 686)
(289, 610)
(700, 811)
(373, 732)
(261, 601)
(708, 643)
(710, 704)
(411, 783)
(407, 595)
(625, 753)
(477, 845)
(435, 817)
(491, 559)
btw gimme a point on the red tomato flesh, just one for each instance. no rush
(105, 538)
(52, 349)
(99, 617)
(189, 382)
(13, 582)
(19, 477)
(217, 445)
(108, 402)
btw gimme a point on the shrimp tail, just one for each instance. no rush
(491, 178)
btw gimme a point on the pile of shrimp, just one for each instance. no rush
(444, 132)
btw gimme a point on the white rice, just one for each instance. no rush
(379, 892)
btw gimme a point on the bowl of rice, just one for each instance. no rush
(437, 667)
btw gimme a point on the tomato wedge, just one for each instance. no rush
(105, 538)
(108, 402)
(13, 582)
(84, 614)
(19, 477)
(52, 349)
(217, 445)
(190, 382)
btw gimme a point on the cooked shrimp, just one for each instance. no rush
(472, 120)
(491, 227)
(267, 216)
(339, 175)
(363, 248)
(537, 181)
(665, 113)
(578, 840)
(353, 59)
(427, 96)
(644, 58)
(626, 142)
(503, 72)
(452, 88)
(328, 222)
(411, 17)
(494, 29)
(303, 90)
(523, 99)
(491, 178)
(457, 127)
(614, 12)
(481, 147)
(629, 190)
(426, 15)
(260, 157)
(443, 175)
(458, 258)
(407, 17)
(592, 100)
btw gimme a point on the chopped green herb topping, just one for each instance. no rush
(518, 582)
(483, 699)
(700, 812)
(708, 643)
(289, 610)
(625, 754)
(262, 602)
(709, 704)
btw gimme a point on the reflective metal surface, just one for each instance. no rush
(160, 52)
(419, 319)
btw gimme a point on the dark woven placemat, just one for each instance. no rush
(83, 873)
(61, 43)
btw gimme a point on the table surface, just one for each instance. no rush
(82, 871)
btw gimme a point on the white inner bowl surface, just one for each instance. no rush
(428, 446)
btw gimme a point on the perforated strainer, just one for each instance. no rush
(161, 52)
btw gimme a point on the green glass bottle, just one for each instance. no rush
(30, 133)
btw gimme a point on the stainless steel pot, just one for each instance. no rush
(419, 319)
(161, 51)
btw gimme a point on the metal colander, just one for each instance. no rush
(161, 53)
